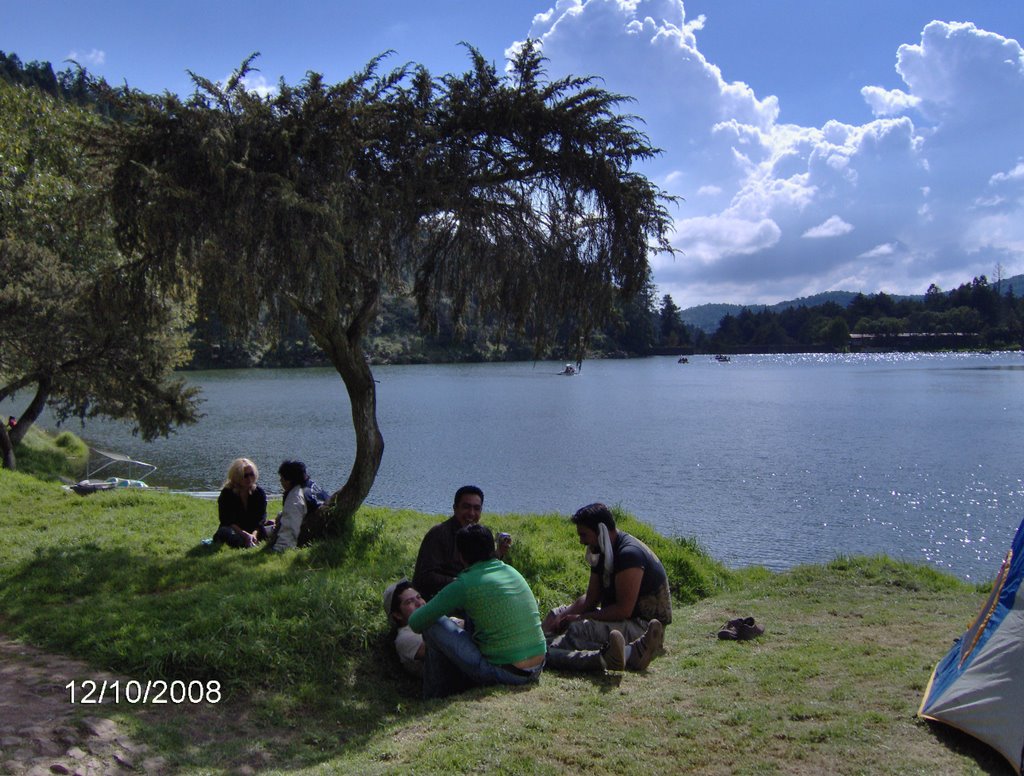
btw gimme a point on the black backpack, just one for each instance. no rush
(315, 496)
(312, 526)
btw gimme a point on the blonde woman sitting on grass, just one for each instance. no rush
(241, 506)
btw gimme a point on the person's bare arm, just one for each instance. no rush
(627, 590)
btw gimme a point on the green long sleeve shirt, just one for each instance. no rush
(506, 619)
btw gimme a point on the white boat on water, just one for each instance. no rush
(136, 471)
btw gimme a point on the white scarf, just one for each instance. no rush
(606, 551)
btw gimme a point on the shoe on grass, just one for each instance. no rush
(748, 629)
(643, 650)
(614, 653)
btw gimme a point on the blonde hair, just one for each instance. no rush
(236, 477)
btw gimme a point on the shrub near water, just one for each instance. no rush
(121, 579)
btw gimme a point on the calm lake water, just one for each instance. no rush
(772, 460)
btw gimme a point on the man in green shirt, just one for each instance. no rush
(502, 642)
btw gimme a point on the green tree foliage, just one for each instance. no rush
(672, 330)
(37, 75)
(506, 198)
(80, 326)
(634, 332)
(884, 325)
(835, 333)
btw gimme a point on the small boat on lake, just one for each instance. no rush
(137, 471)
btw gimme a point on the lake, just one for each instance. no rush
(772, 460)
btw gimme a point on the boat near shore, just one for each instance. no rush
(136, 472)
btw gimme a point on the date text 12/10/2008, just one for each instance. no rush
(155, 691)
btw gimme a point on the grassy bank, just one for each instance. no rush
(299, 645)
(50, 457)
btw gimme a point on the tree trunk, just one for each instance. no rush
(7, 448)
(32, 412)
(335, 516)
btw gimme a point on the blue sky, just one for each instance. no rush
(818, 145)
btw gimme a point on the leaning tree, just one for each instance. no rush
(82, 328)
(511, 196)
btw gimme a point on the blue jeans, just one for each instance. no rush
(454, 663)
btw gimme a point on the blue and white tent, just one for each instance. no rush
(978, 687)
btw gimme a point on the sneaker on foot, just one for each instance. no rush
(643, 650)
(614, 654)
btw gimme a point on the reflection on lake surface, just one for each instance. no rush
(773, 460)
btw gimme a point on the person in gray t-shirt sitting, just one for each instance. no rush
(619, 622)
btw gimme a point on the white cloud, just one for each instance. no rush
(999, 232)
(256, 83)
(1014, 175)
(708, 239)
(958, 69)
(888, 102)
(886, 249)
(833, 227)
(91, 58)
(934, 183)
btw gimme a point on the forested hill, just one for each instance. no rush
(707, 317)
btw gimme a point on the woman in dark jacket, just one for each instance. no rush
(242, 506)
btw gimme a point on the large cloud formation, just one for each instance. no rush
(930, 190)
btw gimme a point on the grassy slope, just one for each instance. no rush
(52, 457)
(299, 643)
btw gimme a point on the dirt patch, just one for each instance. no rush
(42, 732)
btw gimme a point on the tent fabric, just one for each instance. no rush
(978, 687)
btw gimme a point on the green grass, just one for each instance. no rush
(299, 643)
(51, 457)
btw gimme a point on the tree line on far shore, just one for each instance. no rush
(978, 314)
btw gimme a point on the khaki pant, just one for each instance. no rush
(579, 647)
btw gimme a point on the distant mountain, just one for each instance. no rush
(708, 316)
(841, 298)
(1015, 284)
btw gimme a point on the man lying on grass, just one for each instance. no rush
(620, 621)
(401, 599)
(502, 642)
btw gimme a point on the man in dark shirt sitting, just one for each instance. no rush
(438, 562)
(619, 622)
